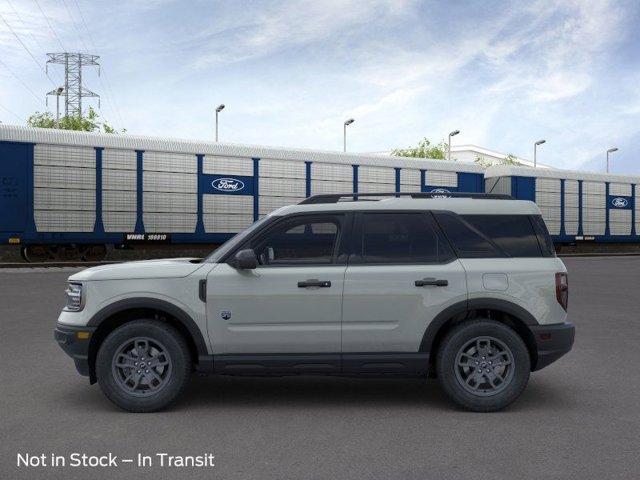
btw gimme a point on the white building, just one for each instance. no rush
(469, 153)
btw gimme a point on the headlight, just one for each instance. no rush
(75, 299)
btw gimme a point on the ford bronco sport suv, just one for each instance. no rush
(466, 288)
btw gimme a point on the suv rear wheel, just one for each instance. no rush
(483, 365)
(143, 365)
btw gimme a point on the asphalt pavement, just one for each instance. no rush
(578, 418)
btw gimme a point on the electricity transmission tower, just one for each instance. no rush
(73, 91)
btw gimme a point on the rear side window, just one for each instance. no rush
(514, 234)
(544, 239)
(394, 238)
(468, 241)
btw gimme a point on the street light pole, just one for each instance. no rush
(452, 134)
(59, 90)
(344, 133)
(611, 150)
(218, 110)
(535, 152)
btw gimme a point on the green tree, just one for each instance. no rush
(510, 159)
(425, 149)
(89, 123)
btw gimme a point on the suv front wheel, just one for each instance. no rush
(143, 366)
(483, 365)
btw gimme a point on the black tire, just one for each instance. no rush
(479, 394)
(170, 380)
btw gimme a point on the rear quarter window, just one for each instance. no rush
(513, 234)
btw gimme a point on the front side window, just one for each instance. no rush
(393, 238)
(304, 240)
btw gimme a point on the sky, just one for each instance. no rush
(290, 72)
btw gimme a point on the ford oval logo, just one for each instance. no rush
(619, 202)
(228, 184)
(442, 191)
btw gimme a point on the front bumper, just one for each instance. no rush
(552, 342)
(75, 343)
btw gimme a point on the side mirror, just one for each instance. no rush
(245, 260)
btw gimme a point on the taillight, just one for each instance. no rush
(562, 289)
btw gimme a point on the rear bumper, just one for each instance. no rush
(75, 343)
(552, 342)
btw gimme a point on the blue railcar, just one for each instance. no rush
(74, 193)
(576, 206)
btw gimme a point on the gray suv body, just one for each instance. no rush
(467, 289)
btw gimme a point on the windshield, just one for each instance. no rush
(222, 250)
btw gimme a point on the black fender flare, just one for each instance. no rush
(466, 306)
(155, 304)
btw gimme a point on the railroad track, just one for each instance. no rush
(111, 262)
(54, 264)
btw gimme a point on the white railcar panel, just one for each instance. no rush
(550, 212)
(620, 222)
(330, 186)
(376, 175)
(620, 189)
(119, 201)
(332, 171)
(228, 204)
(170, 222)
(594, 188)
(64, 156)
(269, 204)
(375, 187)
(550, 199)
(571, 216)
(169, 162)
(64, 199)
(214, 164)
(547, 185)
(498, 185)
(226, 223)
(593, 228)
(436, 178)
(64, 177)
(571, 186)
(282, 187)
(64, 221)
(409, 176)
(594, 215)
(594, 201)
(119, 180)
(119, 159)
(553, 226)
(170, 202)
(571, 199)
(571, 228)
(169, 182)
(282, 169)
(119, 221)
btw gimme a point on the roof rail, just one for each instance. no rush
(336, 197)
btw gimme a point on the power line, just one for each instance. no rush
(28, 51)
(75, 27)
(21, 81)
(50, 26)
(12, 113)
(106, 85)
(24, 25)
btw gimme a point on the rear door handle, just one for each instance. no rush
(314, 283)
(431, 281)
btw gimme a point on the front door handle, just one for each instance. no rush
(314, 283)
(431, 281)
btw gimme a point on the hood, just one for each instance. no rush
(165, 268)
